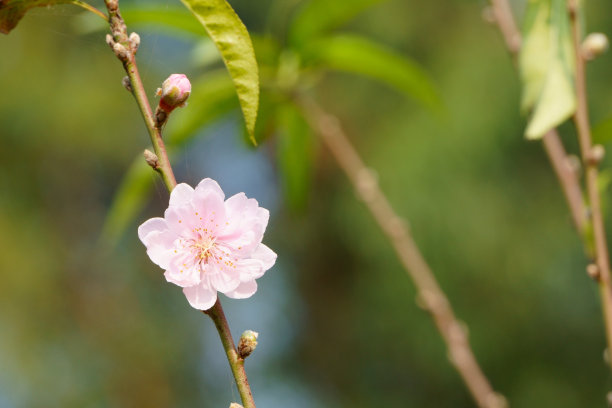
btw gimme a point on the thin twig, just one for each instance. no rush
(127, 54)
(590, 161)
(429, 292)
(568, 178)
(559, 159)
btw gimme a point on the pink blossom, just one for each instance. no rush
(207, 245)
(174, 92)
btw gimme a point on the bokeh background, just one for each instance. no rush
(87, 321)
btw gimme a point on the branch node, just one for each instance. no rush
(367, 184)
(151, 159)
(593, 272)
(134, 41)
(594, 45)
(247, 343)
(127, 84)
(596, 155)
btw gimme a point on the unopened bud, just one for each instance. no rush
(120, 51)
(174, 92)
(134, 42)
(593, 271)
(127, 84)
(594, 45)
(110, 41)
(247, 344)
(112, 5)
(597, 154)
(151, 159)
(234, 405)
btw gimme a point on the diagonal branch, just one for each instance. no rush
(429, 292)
(125, 49)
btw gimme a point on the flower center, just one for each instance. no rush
(203, 248)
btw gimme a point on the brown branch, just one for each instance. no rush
(591, 159)
(429, 292)
(126, 52)
(559, 159)
(568, 178)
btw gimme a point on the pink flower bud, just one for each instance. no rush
(174, 92)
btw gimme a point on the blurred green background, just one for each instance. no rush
(88, 323)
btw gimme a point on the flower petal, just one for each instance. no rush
(244, 290)
(181, 194)
(182, 220)
(209, 209)
(210, 185)
(183, 274)
(202, 296)
(160, 247)
(154, 224)
(265, 255)
(222, 279)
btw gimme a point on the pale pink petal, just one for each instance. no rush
(154, 224)
(210, 185)
(210, 210)
(244, 290)
(224, 283)
(201, 297)
(160, 247)
(265, 255)
(181, 194)
(188, 276)
(182, 220)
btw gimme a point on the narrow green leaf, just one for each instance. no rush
(546, 64)
(317, 17)
(12, 11)
(232, 39)
(295, 155)
(129, 200)
(359, 55)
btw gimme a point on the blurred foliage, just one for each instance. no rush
(85, 325)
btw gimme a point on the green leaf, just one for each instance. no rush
(129, 200)
(175, 18)
(359, 55)
(232, 39)
(11, 11)
(295, 155)
(317, 17)
(546, 64)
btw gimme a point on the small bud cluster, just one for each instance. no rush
(173, 94)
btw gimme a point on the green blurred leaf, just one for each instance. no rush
(602, 132)
(129, 199)
(176, 18)
(211, 97)
(359, 55)
(317, 17)
(233, 41)
(295, 155)
(546, 63)
(12, 11)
